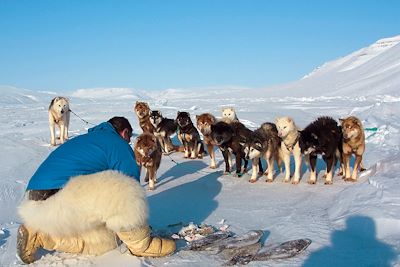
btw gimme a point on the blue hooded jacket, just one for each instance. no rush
(102, 148)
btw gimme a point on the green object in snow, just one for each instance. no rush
(372, 129)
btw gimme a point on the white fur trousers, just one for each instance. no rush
(102, 202)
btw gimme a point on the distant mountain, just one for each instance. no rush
(373, 70)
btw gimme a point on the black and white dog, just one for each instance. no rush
(263, 143)
(189, 136)
(164, 128)
(323, 136)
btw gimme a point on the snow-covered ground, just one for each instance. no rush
(350, 224)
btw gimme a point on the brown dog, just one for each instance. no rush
(353, 143)
(148, 154)
(142, 111)
(204, 122)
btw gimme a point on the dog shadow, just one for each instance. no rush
(190, 202)
(356, 245)
(3, 236)
(179, 170)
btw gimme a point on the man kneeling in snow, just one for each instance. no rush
(85, 193)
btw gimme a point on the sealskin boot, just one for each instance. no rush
(141, 244)
(28, 243)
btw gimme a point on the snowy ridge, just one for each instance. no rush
(357, 58)
(110, 93)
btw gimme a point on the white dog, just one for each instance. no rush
(288, 131)
(59, 114)
(229, 115)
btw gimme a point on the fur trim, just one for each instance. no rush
(107, 198)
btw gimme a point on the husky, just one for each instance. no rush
(204, 122)
(263, 142)
(231, 138)
(323, 136)
(229, 115)
(142, 111)
(189, 136)
(353, 143)
(59, 114)
(148, 155)
(288, 132)
(163, 129)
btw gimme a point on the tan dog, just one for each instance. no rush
(148, 154)
(204, 122)
(353, 143)
(142, 111)
(59, 113)
(289, 133)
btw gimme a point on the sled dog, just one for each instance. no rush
(163, 129)
(288, 132)
(321, 137)
(204, 122)
(231, 138)
(229, 115)
(142, 111)
(263, 142)
(148, 155)
(189, 136)
(353, 143)
(59, 113)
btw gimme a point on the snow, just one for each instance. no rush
(350, 224)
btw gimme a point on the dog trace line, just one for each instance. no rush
(177, 163)
(85, 121)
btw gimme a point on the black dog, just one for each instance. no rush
(189, 136)
(231, 138)
(322, 136)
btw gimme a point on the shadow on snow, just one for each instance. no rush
(356, 245)
(190, 202)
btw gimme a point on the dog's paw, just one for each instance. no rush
(311, 182)
(151, 189)
(350, 180)
(269, 180)
(253, 180)
(226, 173)
(295, 182)
(286, 180)
(328, 182)
(213, 167)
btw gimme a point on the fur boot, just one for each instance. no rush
(141, 244)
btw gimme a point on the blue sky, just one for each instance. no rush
(66, 45)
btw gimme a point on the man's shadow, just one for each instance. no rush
(190, 202)
(181, 169)
(356, 245)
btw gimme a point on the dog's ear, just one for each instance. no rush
(358, 122)
(197, 117)
(289, 119)
(258, 144)
(341, 120)
(178, 113)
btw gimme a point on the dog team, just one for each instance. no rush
(274, 142)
